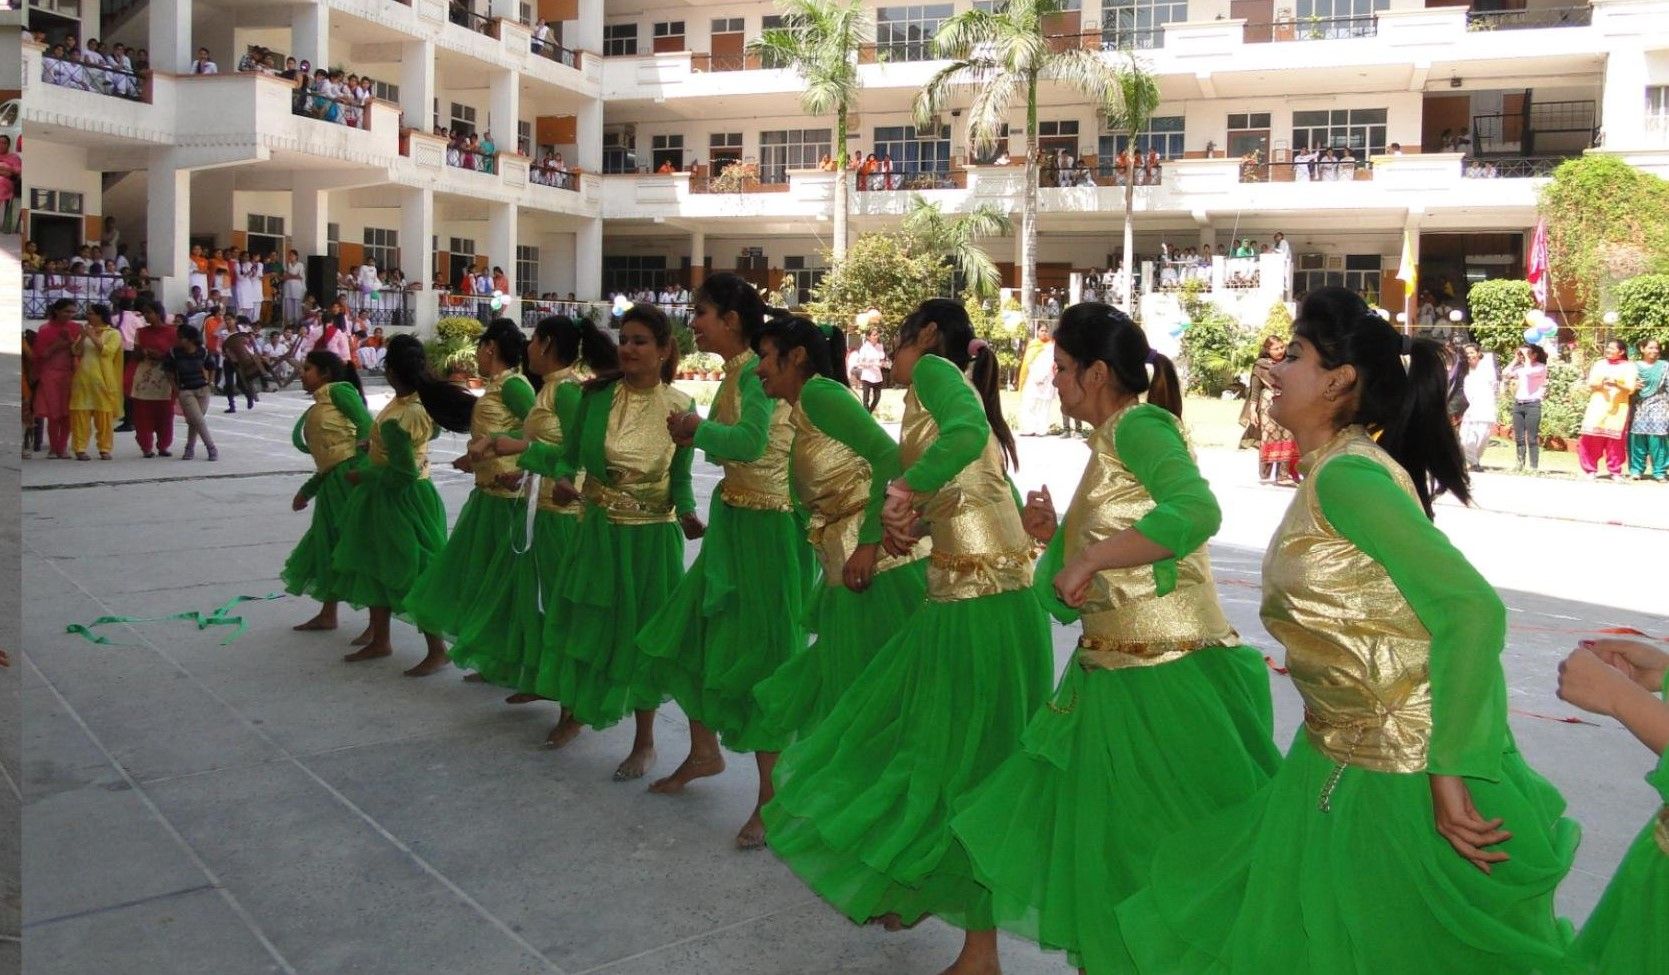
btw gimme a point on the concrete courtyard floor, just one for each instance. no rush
(263, 807)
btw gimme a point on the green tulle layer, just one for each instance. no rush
(392, 529)
(851, 628)
(310, 569)
(1369, 888)
(737, 616)
(1118, 761)
(618, 577)
(466, 594)
(537, 571)
(864, 804)
(1628, 933)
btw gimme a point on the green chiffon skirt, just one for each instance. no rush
(1118, 761)
(392, 529)
(737, 616)
(618, 576)
(851, 628)
(310, 569)
(537, 571)
(466, 593)
(1369, 888)
(864, 804)
(1628, 933)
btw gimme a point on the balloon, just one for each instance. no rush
(621, 305)
(1532, 334)
(497, 302)
(376, 296)
(1179, 328)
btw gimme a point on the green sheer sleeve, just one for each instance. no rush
(960, 416)
(1466, 619)
(518, 396)
(745, 440)
(565, 459)
(1659, 777)
(311, 486)
(567, 409)
(833, 409)
(298, 435)
(1049, 565)
(682, 487)
(402, 459)
(346, 398)
(1185, 513)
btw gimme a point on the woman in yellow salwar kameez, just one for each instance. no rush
(96, 388)
(1611, 382)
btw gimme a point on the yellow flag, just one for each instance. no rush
(1406, 270)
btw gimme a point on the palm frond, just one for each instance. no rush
(991, 105)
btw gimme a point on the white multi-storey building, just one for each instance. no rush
(649, 86)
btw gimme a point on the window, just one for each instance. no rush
(268, 226)
(1327, 19)
(906, 33)
(1362, 130)
(723, 148)
(462, 254)
(524, 12)
(526, 281)
(772, 22)
(804, 278)
(633, 272)
(1138, 24)
(1163, 135)
(333, 237)
(524, 138)
(1657, 113)
(619, 152)
(1053, 136)
(727, 25)
(619, 40)
(385, 91)
(784, 149)
(436, 107)
(667, 148)
(669, 36)
(382, 248)
(1360, 273)
(54, 201)
(913, 152)
(463, 119)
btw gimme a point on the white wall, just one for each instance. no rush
(55, 166)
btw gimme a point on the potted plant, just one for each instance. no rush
(452, 352)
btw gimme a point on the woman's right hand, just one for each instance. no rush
(1459, 822)
(1639, 661)
(564, 492)
(1038, 516)
(298, 503)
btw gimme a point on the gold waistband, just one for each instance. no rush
(1661, 832)
(741, 497)
(974, 561)
(1096, 654)
(1366, 742)
(624, 509)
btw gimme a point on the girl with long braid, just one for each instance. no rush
(739, 613)
(466, 593)
(840, 466)
(628, 556)
(329, 431)
(395, 523)
(1162, 716)
(864, 804)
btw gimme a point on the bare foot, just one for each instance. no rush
(752, 836)
(315, 624)
(892, 922)
(523, 698)
(566, 731)
(371, 652)
(960, 967)
(364, 639)
(429, 665)
(694, 767)
(635, 765)
(473, 679)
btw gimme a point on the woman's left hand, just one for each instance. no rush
(1459, 822)
(1072, 582)
(898, 512)
(682, 426)
(693, 528)
(860, 568)
(464, 463)
(1592, 684)
(298, 503)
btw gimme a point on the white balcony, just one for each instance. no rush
(424, 163)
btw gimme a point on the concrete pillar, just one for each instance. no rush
(310, 212)
(417, 85)
(588, 134)
(1208, 238)
(504, 109)
(586, 34)
(588, 258)
(417, 229)
(698, 258)
(170, 37)
(310, 34)
(168, 231)
(1622, 103)
(501, 241)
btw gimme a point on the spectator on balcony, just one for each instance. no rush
(1396, 148)
(869, 173)
(203, 64)
(252, 59)
(541, 35)
(1081, 175)
(665, 167)
(1347, 164)
(1153, 166)
(489, 153)
(57, 70)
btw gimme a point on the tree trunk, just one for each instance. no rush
(840, 204)
(1130, 237)
(1028, 210)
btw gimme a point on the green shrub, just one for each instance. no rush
(1642, 309)
(1498, 309)
(1213, 343)
(453, 347)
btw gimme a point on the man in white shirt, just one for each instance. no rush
(203, 65)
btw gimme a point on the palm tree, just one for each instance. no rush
(956, 238)
(820, 43)
(1138, 99)
(1000, 56)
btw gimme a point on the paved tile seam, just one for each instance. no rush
(122, 906)
(150, 805)
(457, 891)
(701, 936)
(168, 479)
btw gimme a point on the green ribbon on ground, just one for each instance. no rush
(219, 616)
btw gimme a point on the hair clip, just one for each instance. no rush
(975, 347)
(1152, 357)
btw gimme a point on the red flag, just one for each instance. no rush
(1536, 273)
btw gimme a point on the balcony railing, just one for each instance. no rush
(533, 310)
(1531, 19)
(891, 52)
(460, 13)
(1132, 38)
(552, 51)
(1313, 29)
(98, 79)
(384, 309)
(1316, 171)
(341, 111)
(741, 183)
(473, 159)
(1109, 173)
(920, 179)
(545, 174)
(700, 62)
(1510, 167)
(42, 288)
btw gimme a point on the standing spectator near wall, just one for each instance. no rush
(1478, 422)
(188, 364)
(54, 371)
(295, 286)
(153, 390)
(96, 390)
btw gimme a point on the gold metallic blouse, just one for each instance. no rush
(761, 484)
(490, 418)
(407, 411)
(543, 425)
(331, 435)
(833, 483)
(639, 455)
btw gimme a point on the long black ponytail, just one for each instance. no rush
(408, 367)
(573, 341)
(1406, 407)
(975, 358)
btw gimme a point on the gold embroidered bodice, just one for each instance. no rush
(1126, 622)
(979, 546)
(1356, 652)
(330, 433)
(407, 411)
(763, 483)
(833, 483)
(543, 425)
(638, 451)
(491, 418)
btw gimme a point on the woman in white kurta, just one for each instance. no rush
(1478, 422)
